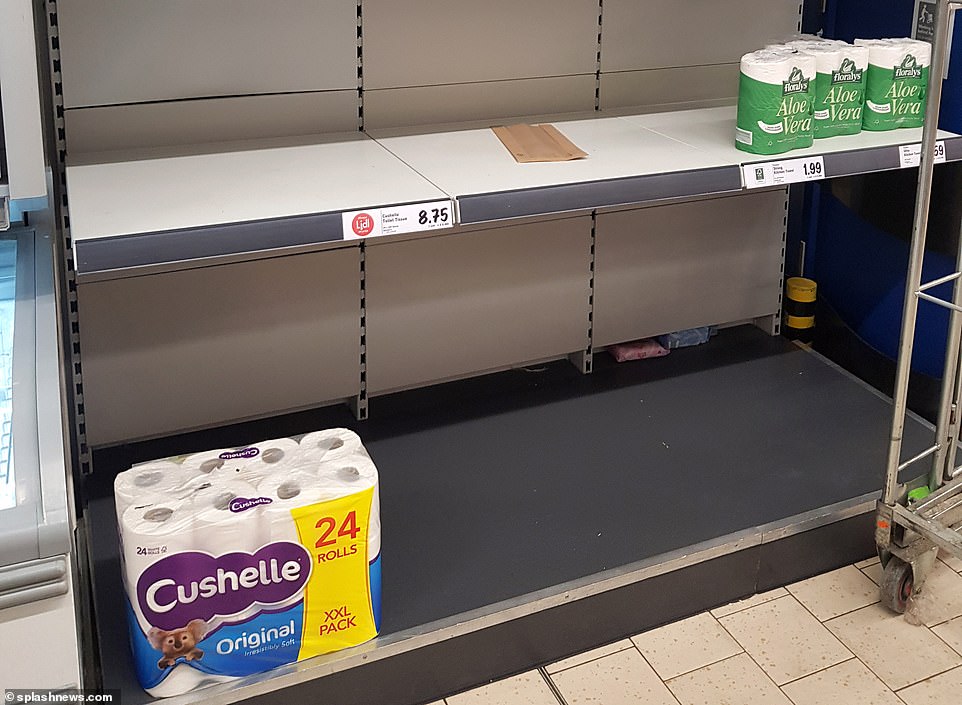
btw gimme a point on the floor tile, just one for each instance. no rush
(836, 593)
(589, 656)
(684, 646)
(941, 597)
(951, 633)
(874, 572)
(527, 689)
(624, 678)
(896, 651)
(867, 562)
(944, 689)
(849, 683)
(785, 639)
(951, 561)
(734, 681)
(758, 599)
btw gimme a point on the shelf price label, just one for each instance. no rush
(785, 171)
(396, 220)
(910, 155)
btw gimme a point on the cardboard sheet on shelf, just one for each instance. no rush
(537, 143)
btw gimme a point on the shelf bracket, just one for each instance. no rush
(582, 361)
(770, 323)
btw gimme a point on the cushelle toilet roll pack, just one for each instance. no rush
(791, 94)
(236, 561)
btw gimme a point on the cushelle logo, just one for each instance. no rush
(796, 83)
(193, 585)
(848, 72)
(245, 453)
(242, 504)
(909, 68)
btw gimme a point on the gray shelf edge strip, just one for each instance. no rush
(953, 149)
(863, 161)
(101, 255)
(630, 190)
(476, 620)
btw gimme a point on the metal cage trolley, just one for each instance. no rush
(918, 517)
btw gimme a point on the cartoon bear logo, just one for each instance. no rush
(178, 643)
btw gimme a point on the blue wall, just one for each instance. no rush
(848, 19)
(860, 268)
(861, 272)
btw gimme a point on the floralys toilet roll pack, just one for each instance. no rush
(897, 83)
(775, 101)
(877, 84)
(236, 561)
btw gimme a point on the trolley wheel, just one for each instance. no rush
(898, 582)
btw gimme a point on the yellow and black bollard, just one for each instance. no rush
(799, 309)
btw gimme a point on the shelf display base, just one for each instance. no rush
(536, 513)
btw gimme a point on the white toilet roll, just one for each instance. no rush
(349, 476)
(254, 462)
(775, 66)
(373, 542)
(206, 462)
(829, 57)
(151, 532)
(146, 483)
(813, 43)
(277, 455)
(220, 525)
(183, 678)
(891, 41)
(277, 452)
(331, 445)
(289, 490)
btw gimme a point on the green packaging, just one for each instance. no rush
(775, 102)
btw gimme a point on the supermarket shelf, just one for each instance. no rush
(159, 206)
(152, 208)
(678, 508)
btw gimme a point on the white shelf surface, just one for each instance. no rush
(114, 194)
(712, 132)
(464, 162)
